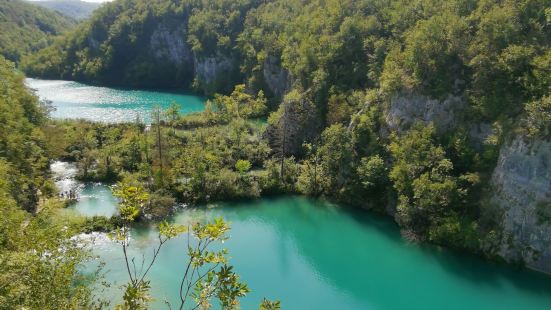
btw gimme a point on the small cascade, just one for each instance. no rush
(65, 180)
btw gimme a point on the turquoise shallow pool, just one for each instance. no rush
(315, 255)
(112, 105)
(95, 199)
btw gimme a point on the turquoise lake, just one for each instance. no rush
(311, 254)
(73, 100)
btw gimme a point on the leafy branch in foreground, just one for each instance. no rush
(207, 274)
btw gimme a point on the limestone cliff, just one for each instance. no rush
(216, 73)
(276, 78)
(169, 44)
(407, 109)
(522, 189)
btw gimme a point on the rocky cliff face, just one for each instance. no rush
(277, 78)
(522, 189)
(215, 73)
(407, 109)
(169, 44)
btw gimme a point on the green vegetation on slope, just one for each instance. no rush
(28, 28)
(38, 260)
(76, 9)
(21, 141)
(120, 43)
(333, 71)
(40, 254)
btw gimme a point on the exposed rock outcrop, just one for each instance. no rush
(522, 189)
(479, 133)
(277, 78)
(216, 73)
(169, 44)
(406, 109)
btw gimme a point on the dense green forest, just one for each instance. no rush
(28, 28)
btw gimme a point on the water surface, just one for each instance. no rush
(110, 105)
(95, 199)
(92, 199)
(311, 254)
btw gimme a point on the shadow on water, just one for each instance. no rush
(312, 253)
(363, 231)
(468, 266)
(461, 264)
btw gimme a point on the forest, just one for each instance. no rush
(27, 28)
(315, 98)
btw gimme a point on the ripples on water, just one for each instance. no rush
(110, 105)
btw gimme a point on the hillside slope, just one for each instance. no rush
(27, 28)
(151, 43)
(76, 9)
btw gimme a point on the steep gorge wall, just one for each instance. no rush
(520, 183)
(522, 189)
(168, 44)
(276, 77)
(216, 73)
(406, 109)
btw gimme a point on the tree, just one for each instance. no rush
(373, 173)
(335, 153)
(422, 177)
(311, 179)
(240, 104)
(156, 115)
(173, 115)
(207, 273)
(538, 119)
(242, 166)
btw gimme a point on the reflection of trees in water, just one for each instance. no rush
(363, 254)
(357, 253)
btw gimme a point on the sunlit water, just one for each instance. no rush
(311, 254)
(93, 199)
(73, 100)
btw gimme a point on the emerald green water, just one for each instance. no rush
(110, 105)
(311, 254)
(95, 200)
